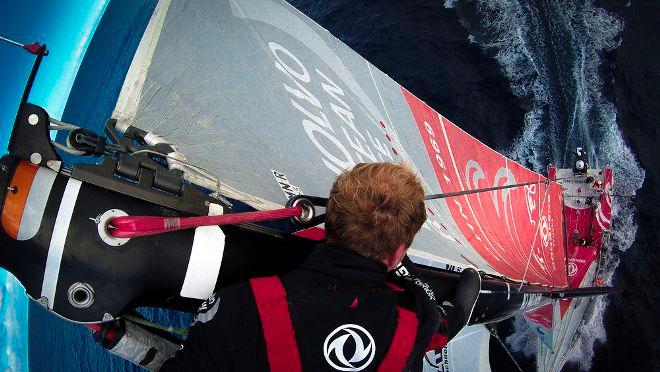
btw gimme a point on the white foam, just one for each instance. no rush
(524, 339)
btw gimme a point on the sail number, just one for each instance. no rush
(436, 148)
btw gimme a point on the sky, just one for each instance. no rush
(66, 27)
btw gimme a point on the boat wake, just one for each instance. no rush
(552, 54)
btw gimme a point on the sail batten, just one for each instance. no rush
(257, 93)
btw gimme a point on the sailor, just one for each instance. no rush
(345, 308)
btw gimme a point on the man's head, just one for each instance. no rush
(375, 209)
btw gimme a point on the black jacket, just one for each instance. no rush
(322, 294)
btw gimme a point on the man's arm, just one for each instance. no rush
(143, 346)
(454, 312)
(219, 329)
(157, 350)
(407, 275)
(211, 338)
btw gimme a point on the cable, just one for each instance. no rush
(476, 191)
(494, 334)
(134, 226)
(10, 41)
(67, 149)
(62, 125)
(486, 189)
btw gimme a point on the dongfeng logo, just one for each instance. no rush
(349, 348)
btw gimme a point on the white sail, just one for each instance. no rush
(256, 93)
(467, 352)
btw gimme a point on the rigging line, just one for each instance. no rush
(497, 337)
(58, 127)
(61, 123)
(536, 233)
(11, 41)
(486, 189)
(67, 149)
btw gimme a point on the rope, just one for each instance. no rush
(60, 125)
(486, 189)
(31, 48)
(134, 226)
(10, 41)
(494, 334)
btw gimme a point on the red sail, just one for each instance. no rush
(517, 231)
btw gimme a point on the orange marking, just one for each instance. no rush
(15, 197)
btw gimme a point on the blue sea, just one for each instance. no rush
(530, 78)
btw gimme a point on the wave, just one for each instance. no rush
(552, 52)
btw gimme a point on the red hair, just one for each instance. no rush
(375, 207)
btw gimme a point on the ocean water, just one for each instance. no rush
(563, 87)
(106, 62)
(551, 53)
(532, 79)
(57, 344)
(13, 312)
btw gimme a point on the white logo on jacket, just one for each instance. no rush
(336, 346)
(208, 309)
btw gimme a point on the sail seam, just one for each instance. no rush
(536, 233)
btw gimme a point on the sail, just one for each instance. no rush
(468, 351)
(559, 325)
(271, 104)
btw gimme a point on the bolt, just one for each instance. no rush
(33, 119)
(36, 158)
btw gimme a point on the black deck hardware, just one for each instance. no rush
(30, 138)
(155, 186)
